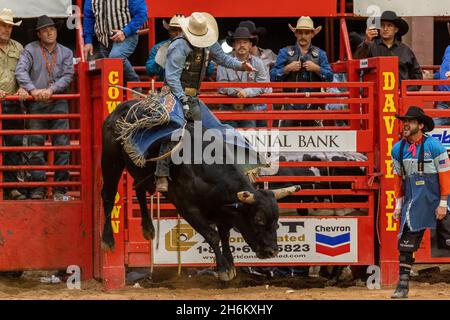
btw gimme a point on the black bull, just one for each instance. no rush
(206, 196)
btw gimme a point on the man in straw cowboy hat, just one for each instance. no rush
(242, 42)
(389, 44)
(9, 56)
(422, 186)
(45, 68)
(187, 61)
(156, 60)
(302, 62)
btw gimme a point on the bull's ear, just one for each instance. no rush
(246, 197)
(283, 192)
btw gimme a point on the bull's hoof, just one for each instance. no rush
(149, 233)
(233, 270)
(227, 275)
(108, 246)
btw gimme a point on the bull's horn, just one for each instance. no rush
(283, 192)
(246, 197)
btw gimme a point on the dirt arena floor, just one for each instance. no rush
(430, 283)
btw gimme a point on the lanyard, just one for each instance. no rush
(420, 160)
(48, 65)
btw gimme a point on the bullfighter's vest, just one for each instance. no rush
(302, 75)
(194, 69)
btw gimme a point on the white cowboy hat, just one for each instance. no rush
(6, 16)
(173, 23)
(200, 29)
(305, 23)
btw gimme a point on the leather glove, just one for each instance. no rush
(191, 108)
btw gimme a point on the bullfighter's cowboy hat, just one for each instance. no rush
(401, 24)
(419, 115)
(6, 16)
(173, 23)
(200, 29)
(305, 23)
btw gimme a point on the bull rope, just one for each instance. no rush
(129, 89)
(158, 212)
(178, 244)
(151, 242)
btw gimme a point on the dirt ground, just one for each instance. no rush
(431, 283)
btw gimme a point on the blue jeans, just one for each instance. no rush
(238, 123)
(37, 157)
(261, 107)
(122, 50)
(442, 121)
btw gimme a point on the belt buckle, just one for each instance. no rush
(192, 92)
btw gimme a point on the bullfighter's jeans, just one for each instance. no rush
(37, 157)
(162, 166)
(12, 158)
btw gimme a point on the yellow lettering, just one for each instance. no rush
(389, 123)
(389, 169)
(113, 77)
(389, 105)
(391, 225)
(115, 226)
(390, 194)
(115, 213)
(112, 105)
(113, 93)
(117, 198)
(389, 80)
(389, 142)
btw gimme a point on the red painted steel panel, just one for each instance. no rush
(44, 235)
(249, 8)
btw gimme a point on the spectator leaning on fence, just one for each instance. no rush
(115, 23)
(242, 42)
(46, 67)
(266, 55)
(9, 56)
(302, 62)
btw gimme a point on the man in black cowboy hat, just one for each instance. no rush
(242, 41)
(422, 186)
(45, 67)
(266, 55)
(388, 44)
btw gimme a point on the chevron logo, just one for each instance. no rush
(333, 246)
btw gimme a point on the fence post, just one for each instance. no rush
(110, 266)
(387, 103)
